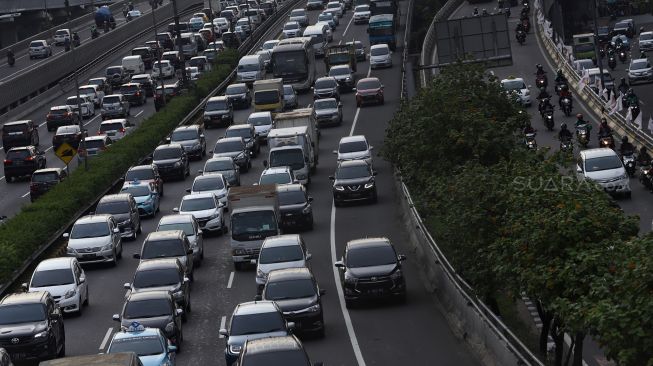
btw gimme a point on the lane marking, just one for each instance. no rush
(139, 113)
(92, 119)
(231, 279)
(3, 177)
(49, 148)
(223, 322)
(347, 28)
(25, 195)
(41, 125)
(106, 338)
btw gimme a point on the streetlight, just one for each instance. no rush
(82, 143)
(596, 46)
(184, 77)
(158, 55)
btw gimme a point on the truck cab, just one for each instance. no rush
(293, 156)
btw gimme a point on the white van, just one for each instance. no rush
(250, 69)
(318, 38)
(133, 64)
(189, 44)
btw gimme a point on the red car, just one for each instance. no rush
(369, 90)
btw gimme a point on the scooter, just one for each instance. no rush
(566, 106)
(582, 135)
(612, 61)
(521, 37)
(548, 119)
(628, 158)
(529, 140)
(11, 60)
(645, 176)
(622, 56)
(566, 145)
(94, 34)
(606, 141)
(541, 81)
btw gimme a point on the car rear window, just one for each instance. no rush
(169, 153)
(238, 132)
(114, 70)
(18, 154)
(229, 146)
(354, 146)
(94, 144)
(111, 99)
(14, 128)
(147, 309)
(256, 323)
(140, 52)
(162, 249)
(208, 184)
(140, 174)
(112, 207)
(156, 278)
(45, 177)
(128, 88)
(104, 127)
(36, 44)
(60, 110)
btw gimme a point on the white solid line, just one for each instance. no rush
(92, 119)
(231, 279)
(49, 148)
(41, 125)
(223, 321)
(345, 32)
(341, 298)
(106, 338)
(25, 195)
(3, 177)
(138, 114)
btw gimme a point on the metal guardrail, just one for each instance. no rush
(404, 56)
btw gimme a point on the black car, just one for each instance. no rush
(175, 59)
(259, 352)
(58, 116)
(298, 296)
(146, 81)
(371, 269)
(248, 133)
(353, 181)
(32, 327)
(43, 180)
(23, 161)
(326, 87)
(134, 93)
(146, 54)
(191, 138)
(234, 148)
(153, 309)
(218, 111)
(295, 206)
(171, 161)
(165, 40)
(19, 133)
(72, 135)
(239, 95)
(162, 274)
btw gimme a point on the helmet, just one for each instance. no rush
(579, 116)
(539, 66)
(564, 87)
(563, 126)
(603, 120)
(624, 139)
(631, 91)
(543, 89)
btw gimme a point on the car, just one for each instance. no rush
(115, 106)
(189, 225)
(277, 175)
(300, 16)
(326, 27)
(43, 180)
(249, 135)
(149, 344)
(215, 45)
(362, 14)
(279, 252)
(344, 75)
(87, 105)
(583, 64)
(207, 209)
(335, 8)
(645, 41)
(369, 90)
(19, 133)
(290, 97)
(380, 56)
(329, 19)
(258, 352)
(94, 92)
(191, 138)
(326, 87)
(146, 82)
(299, 297)
(517, 87)
(234, 148)
(269, 45)
(201, 62)
(23, 161)
(327, 111)
(172, 161)
(95, 239)
(639, 71)
(116, 129)
(174, 57)
(291, 29)
(603, 167)
(37, 322)
(314, 4)
(359, 47)
(624, 41)
(295, 207)
(92, 146)
(147, 174)
(353, 181)
(624, 27)
(134, 14)
(148, 55)
(102, 83)
(146, 197)
(39, 49)
(133, 93)
(155, 309)
(125, 212)
(162, 274)
(218, 111)
(163, 69)
(262, 122)
(225, 166)
(371, 269)
(252, 320)
(60, 36)
(169, 244)
(64, 279)
(117, 75)
(239, 95)
(193, 73)
(196, 23)
(164, 42)
(222, 23)
(72, 135)
(603, 34)
(354, 148)
(163, 95)
(211, 183)
(62, 115)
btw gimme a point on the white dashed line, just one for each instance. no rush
(41, 125)
(106, 338)
(223, 322)
(92, 119)
(345, 32)
(231, 280)
(25, 195)
(49, 148)
(138, 114)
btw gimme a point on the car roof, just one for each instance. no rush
(368, 243)
(216, 176)
(240, 85)
(191, 127)
(639, 61)
(66, 129)
(281, 241)
(230, 139)
(159, 263)
(380, 45)
(116, 120)
(142, 167)
(240, 126)
(327, 78)
(272, 344)
(286, 274)
(125, 334)
(348, 163)
(15, 123)
(24, 297)
(93, 218)
(275, 170)
(56, 107)
(597, 153)
(370, 79)
(255, 307)
(20, 148)
(353, 138)
(176, 219)
(169, 146)
(198, 195)
(164, 235)
(94, 138)
(260, 114)
(290, 187)
(115, 197)
(340, 67)
(149, 295)
(55, 263)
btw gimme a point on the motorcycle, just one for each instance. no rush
(566, 145)
(622, 56)
(634, 111)
(582, 135)
(612, 61)
(541, 81)
(646, 176)
(566, 106)
(507, 11)
(521, 37)
(541, 107)
(559, 86)
(606, 141)
(548, 119)
(628, 158)
(529, 140)
(526, 24)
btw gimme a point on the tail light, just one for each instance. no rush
(68, 114)
(8, 162)
(33, 186)
(48, 116)
(99, 133)
(138, 94)
(29, 158)
(122, 130)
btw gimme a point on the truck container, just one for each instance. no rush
(268, 95)
(340, 54)
(295, 136)
(298, 118)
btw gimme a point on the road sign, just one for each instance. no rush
(66, 153)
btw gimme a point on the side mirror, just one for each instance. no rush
(310, 199)
(82, 279)
(116, 230)
(579, 170)
(339, 264)
(116, 317)
(176, 209)
(331, 177)
(172, 348)
(265, 163)
(353, 89)
(202, 136)
(322, 292)
(24, 286)
(200, 172)
(258, 298)
(374, 172)
(168, 139)
(401, 257)
(137, 255)
(187, 190)
(335, 151)
(127, 285)
(371, 147)
(200, 232)
(179, 312)
(309, 256)
(223, 332)
(290, 325)
(186, 279)
(66, 235)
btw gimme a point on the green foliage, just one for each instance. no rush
(35, 225)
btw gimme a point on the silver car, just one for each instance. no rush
(225, 166)
(354, 148)
(206, 208)
(290, 97)
(262, 122)
(328, 111)
(213, 183)
(640, 71)
(189, 225)
(95, 239)
(39, 48)
(279, 252)
(191, 138)
(344, 76)
(115, 106)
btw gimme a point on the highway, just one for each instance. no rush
(414, 333)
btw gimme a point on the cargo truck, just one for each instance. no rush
(341, 54)
(254, 217)
(298, 118)
(293, 136)
(268, 95)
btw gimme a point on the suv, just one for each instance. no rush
(116, 129)
(34, 328)
(62, 115)
(162, 274)
(248, 133)
(279, 252)
(103, 83)
(72, 135)
(218, 111)
(295, 206)
(168, 244)
(146, 174)
(328, 111)
(134, 94)
(43, 180)
(353, 181)
(279, 175)
(234, 148)
(60, 36)
(189, 225)
(93, 146)
(117, 75)
(146, 55)
(124, 210)
(171, 160)
(224, 166)
(239, 95)
(39, 48)
(115, 106)
(64, 279)
(256, 352)
(344, 76)
(191, 138)
(19, 133)
(207, 209)
(354, 148)
(604, 167)
(23, 161)
(146, 81)
(95, 239)
(326, 87)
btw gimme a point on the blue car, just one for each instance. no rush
(146, 195)
(150, 344)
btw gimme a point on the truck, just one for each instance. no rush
(298, 118)
(268, 95)
(378, 7)
(293, 136)
(103, 14)
(382, 28)
(340, 54)
(254, 217)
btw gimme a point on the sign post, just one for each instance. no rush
(66, 153)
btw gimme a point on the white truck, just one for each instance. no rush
(254, 217)
(293, 136)
(268, 95)
(298, 118)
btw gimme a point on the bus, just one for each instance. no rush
(293, 60)
(583, 46)
(382, 29)
(383, 7)
(361, 2)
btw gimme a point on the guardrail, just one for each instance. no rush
(404, 56)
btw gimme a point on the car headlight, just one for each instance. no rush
(307, 209)
(177, 164)
(396, 275)
(235, 349)
(301, 176)
(42, 334)
(339, 188)
(70, 250)
(347, 79)
(314, 308)
(261, 274)
(369, 185)
(70, 293)
(170, 328)
(214, 215)
(349, 280)
(106, 247)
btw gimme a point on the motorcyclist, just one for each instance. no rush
(76, 39)
(631, 99)
(485, 12)
(560, 77)
(564, 134)
(540, 70)
(626, 147)
(623, 86)
(475, 13)
(643, 55)
(564, 93)
(580, 122)
(125, 11)
(643, 158)
(106, 26)
(520, 27)
(130, 6)
(66, 43)
(528, 129)
(543, 94)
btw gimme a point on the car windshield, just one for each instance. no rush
(368, 84)
(275, 178)
(53, 277)
(293, 289)
(602, 163)
(111, 99)
(164, 154)
(141, 345)
(295, 357)
(147, 309)
(210, 183)
(338, 71)
(218, 165)
(354, 146)
(253, 222)
(326, 104)
(197, 204)
(379, 51)
(371, 256)
(137, 190)
(238, 132)
(45, 177)
(288, 253)
(297, 13)
(87, 90)
(18, 154)
(269, 45)
(228, 146)
(59, 111)
(325, 83)
(162, 249)
(89, 230)
(645, 36)
(248, 67)
(293, 158)
(361, 8)
(112, 207)
(260, 121)
(513, 85)
(156, 278)
(114, 70)
(256, 323)
(184, 135)
(36, 44)
(74, 102)
(353, 171)
(21, 313)
(186, 227)
(94, 144)
(292, 198)
(639, 65)
(139, 174)
(216, 105)
(291, 26)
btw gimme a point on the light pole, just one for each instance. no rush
(184, 78)
(82, 143)
(158, 55)
(599, 60)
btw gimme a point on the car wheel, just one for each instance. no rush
(10, 179)
(79, 308)
(119, 255)
(62, 351)
(375, 198)
(180, 340)
(140, 228)
(382, 100)
(188, 306)
(187, 170)
(161, 193)
(114, 260)
(336, 203)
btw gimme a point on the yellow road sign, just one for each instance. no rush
(65, 152)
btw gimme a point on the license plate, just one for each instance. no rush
(18, 356)
(111, 133)
(375, 291)
(291, 222)
(88, 256)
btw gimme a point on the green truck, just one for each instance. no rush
(341, 54)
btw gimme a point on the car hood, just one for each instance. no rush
(382, 270)
(170, 288)
(225, 173)
(187, 143)
(122, 216)
(607, 174)
(326, 111)
(203, 214)
(296, 304)
(240, 340)
(352, 181)
(324, 91)
(230, 154)
(153, 360)
(21, 329)
(267, 268)
(89, 242)
(165, 161)
(353, 155)
(153, 322)
(58, 290)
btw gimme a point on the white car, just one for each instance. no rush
(269, 45)
(362, 14)
(60, 36)
(604, 167)
(327, 26)
(292, 29)
(206, 208)
(262, 122)
(211, 183)
(380, 56)
(280, 252)
(222, 23)
(299, 16)
(193, 73)
(39, 48)
(95, 239)
(645, 41)
(88, 108)
(277, 175)
(354, 148)
(64, 279)
(329, 19)
(116, 129)
(582, 65)
(640, 71)
(335, 7)
(166, 71)
(93, 92)
(134, 14)
(517, 87)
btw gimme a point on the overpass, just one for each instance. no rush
(18, 6)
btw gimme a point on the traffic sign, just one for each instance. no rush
(65, 152)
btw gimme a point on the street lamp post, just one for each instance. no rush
(73, 48)
(599, 60)
(158, 55)
(184, 77)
